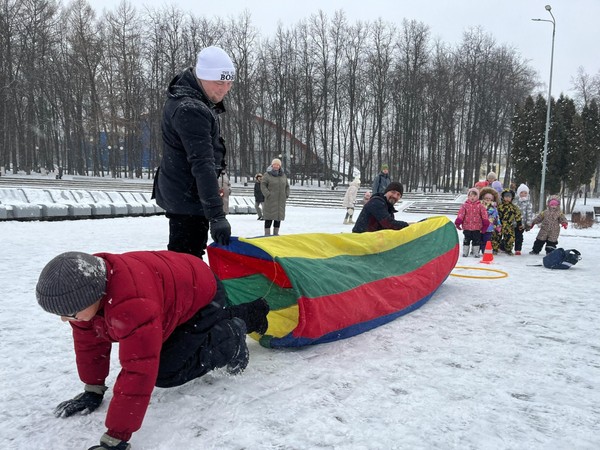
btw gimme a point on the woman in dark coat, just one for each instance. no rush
(259, 198)
(276, 190)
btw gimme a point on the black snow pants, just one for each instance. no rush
(207, 341)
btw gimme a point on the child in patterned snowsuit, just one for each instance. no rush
(510, 217)
(472, 218)
(489, 197)
(550, 221)
(526, 207)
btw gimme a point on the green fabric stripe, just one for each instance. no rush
(319, 277)
(246, 289)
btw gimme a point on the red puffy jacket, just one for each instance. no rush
(148, 295)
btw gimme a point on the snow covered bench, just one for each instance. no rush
(147, 208)
(67, 198)
(117, 207)
(20, 207)
(50, 209)
(98, 208)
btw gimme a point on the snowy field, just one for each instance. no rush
(511, 363)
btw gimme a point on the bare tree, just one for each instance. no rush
(379, 60)
(410, 75)
(326, 95)
(123, 69)
(239, 124)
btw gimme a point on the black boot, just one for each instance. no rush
(537, 247)
(239, 360)
(254, 314)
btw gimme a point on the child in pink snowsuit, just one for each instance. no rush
(473, 220)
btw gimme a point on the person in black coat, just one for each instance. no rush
(186, 184)
(381, 181)
(259, 197)
(378, 212)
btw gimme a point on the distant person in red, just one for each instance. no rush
(491, 177)
(166, 310)
(378, 213)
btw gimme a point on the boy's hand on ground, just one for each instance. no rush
(84, 403)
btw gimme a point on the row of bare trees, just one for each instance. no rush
(85, 91)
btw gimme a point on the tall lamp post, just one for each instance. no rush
(546, 134)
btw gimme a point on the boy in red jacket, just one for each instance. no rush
(168, 313)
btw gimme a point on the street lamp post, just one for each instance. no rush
(110, 160)
(120, 159)
(547, 132)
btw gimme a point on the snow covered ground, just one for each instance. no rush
(511, 363)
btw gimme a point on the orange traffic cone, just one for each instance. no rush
(488, 256)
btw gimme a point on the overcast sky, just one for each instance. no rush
(509, 21)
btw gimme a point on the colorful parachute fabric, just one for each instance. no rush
(323, 287)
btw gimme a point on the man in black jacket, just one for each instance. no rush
(186, 185)
(378, 212)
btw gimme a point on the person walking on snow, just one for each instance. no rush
(489, 179)
(526, 207)
(168, 313)
(472, 218)
(350, 200)
(259, 197)
(489, 197)
(381, 181)
(550, 220)
(510, 219)
(185, 184)
(276, 190)
(225, 190)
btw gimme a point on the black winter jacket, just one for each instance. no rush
(259, 197)
(377, 214)
(193, 151)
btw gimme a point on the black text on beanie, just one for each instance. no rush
(214, 64)
(71, 282)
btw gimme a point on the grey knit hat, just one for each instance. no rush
(71, 282)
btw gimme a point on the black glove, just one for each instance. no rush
(85, 402)
(220, 230)
(108, 442)
(254, 314)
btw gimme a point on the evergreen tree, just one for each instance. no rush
(563, 145)
(579, 162)
(529, 125)
(521, 154)
(590, 119)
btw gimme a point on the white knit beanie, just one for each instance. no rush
(213, 64)
(522, 188)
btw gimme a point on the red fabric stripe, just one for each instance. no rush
(227, 265)
(322, 315)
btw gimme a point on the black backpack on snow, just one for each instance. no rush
(561, 259)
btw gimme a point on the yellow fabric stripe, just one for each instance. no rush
(323, 245)
(281, 322)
